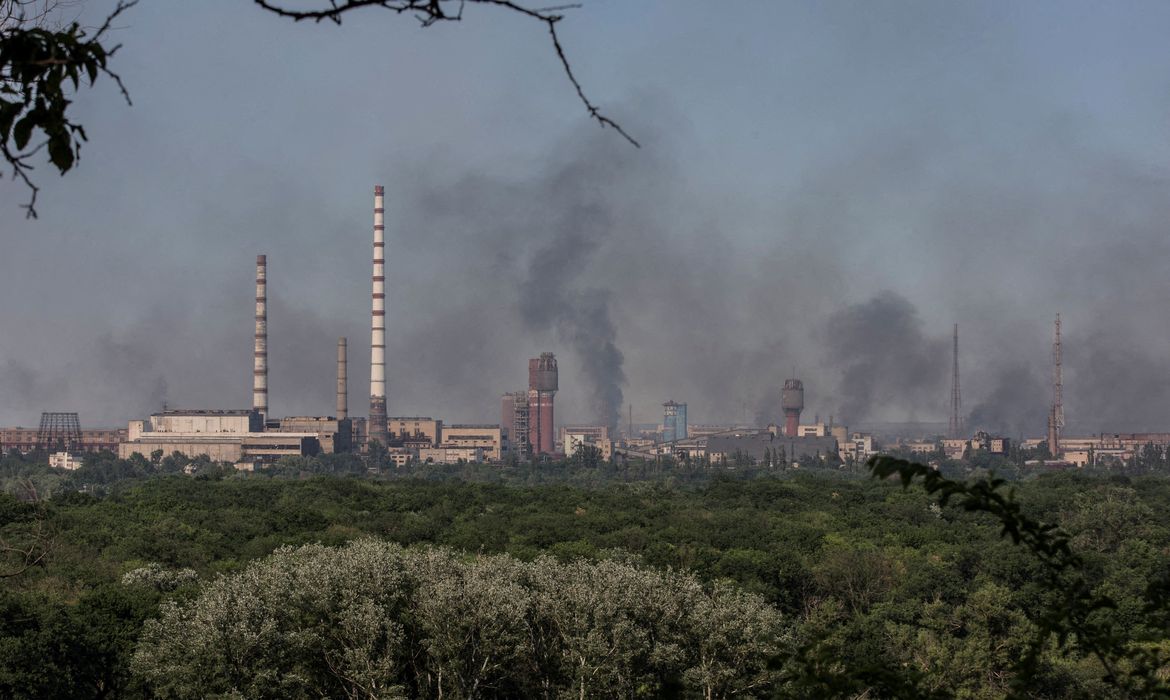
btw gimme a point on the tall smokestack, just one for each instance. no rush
(1056, 413)
(260, 351)
(377, 429)
(342, 380)
(792, 401)
(956, 426)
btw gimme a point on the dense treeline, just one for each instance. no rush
(857, 570)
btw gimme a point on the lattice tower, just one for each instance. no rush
(956, 425)
(59, 432)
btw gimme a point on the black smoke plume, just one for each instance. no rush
(885, 359)
(1016, 405)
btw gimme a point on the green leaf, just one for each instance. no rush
(23, 131)
(61, 152)
(8, 113)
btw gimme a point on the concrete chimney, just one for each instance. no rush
(542, 388)
(260, 351)
(792, 402)
(342, 380)
(377, 429)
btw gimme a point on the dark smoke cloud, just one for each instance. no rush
(601, 256)
(551, 296)
(886, 359)
(127, 374)
(1015, 405)
(1115, 384)
(21, 384)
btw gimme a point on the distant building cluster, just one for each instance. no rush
(527, 428)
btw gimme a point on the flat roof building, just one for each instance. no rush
(335, 435)
(235, 436)
(491, 438)
(422, 430)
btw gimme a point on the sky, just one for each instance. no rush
(823, 189)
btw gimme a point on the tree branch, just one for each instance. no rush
(430, 12)
(40, 70)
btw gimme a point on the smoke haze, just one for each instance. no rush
(826, 188)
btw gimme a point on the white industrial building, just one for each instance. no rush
(235, 436)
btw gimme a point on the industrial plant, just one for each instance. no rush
(527, 430)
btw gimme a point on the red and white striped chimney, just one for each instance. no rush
(342, 380)
(260, 353)
(377, 428)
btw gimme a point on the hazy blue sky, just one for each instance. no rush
(823, 185)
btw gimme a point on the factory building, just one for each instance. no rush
(702, 431)
(817, 429)
(674, 421)
(492, 439)
(571, 440)
(358, 437)
(26, 440)
(955, 448)
(214, 422)
(401, 457)
(414, 431)
(752, 445)
(514, 422)
(335, 435)
(595, 433)
(995, 444)
(919, 447)
(858, 447)
(235, 436)
(451, 455)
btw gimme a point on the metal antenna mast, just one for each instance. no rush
(956, 426)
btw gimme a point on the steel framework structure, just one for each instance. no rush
(59, 432)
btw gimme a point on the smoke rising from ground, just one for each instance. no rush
(551, 296)
(886, 359)
(1015, 405)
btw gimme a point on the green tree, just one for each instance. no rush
(41, 67)
(306, 622)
